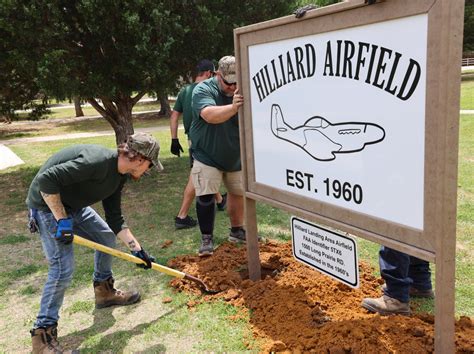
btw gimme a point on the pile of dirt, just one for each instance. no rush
(294, 308)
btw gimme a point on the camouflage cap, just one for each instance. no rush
(227, 68)
(146, 145)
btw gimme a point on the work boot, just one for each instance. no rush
(106, 295)
(207, 246)
(221, 206)
(415, 292)
(238, 236)
(386, 305)
(184, 223)
(428, 293)
(45, 341)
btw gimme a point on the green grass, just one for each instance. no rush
(149, 206)
(13, 239)
(467, 93)
(51, 126)
(28, 290)
(81, 306)
(59, 113)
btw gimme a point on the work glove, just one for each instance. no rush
(144, 256)
(64, 232)
(176, 147)
(32, 223)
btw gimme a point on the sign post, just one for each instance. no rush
(351, 120)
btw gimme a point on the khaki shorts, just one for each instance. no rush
(207, 180)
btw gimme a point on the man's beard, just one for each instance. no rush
(223, 91)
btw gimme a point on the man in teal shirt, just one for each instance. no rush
(216, 150)
(59, 199)
(204, 70)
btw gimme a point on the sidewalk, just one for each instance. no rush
(76, 136)
(9, 159)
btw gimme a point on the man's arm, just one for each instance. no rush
(176, 148)
(54, 203)
(127, 237)
(132, 243)
(220, 114)
(174, 119)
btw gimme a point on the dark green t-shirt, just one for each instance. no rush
(216, 145)
(82, 175)
(183, 105)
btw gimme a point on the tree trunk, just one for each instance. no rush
(165, 108)
(5, 119)
(118, 112)
(77, 106)
(125, 122)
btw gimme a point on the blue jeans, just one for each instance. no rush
(401, 271)
(90, 225)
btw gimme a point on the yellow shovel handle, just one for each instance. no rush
(78, 240)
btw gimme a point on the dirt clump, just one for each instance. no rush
(294, 308)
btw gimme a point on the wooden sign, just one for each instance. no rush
(351, 120)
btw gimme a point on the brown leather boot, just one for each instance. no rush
(45, 340)
(106, 295)
(386, 305)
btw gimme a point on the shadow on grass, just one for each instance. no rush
(103, 320)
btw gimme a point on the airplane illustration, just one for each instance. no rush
(321, 139)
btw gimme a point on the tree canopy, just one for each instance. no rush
(112, 52)
(468, 45)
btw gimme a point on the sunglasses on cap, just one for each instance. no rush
(228, 83)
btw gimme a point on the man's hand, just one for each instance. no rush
(176, 147)
(64, 232)
(144, 256)
(237, 100)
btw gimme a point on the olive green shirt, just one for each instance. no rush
(216, 145)
(82, 175)
(183, 105)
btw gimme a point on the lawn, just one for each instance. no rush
(467, 92)
(60, 122)
(150, 206)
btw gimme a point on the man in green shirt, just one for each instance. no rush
(59, 199)
(216, 150)
(204, 70)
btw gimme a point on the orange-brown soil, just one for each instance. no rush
(294, 308)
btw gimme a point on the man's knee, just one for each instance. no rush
(62, 270)
(205, 200)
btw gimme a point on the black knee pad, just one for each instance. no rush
(205, 200)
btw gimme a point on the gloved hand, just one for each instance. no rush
(64, 232)
(176, 147)
(144, 256)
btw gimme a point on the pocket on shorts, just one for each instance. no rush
(196, 176)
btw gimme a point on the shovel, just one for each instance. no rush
(78, 240)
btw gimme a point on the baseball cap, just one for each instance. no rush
(227, 68)
(205, 65)
(146, 145)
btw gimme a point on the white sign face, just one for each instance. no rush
(325, 251)
(339, 117)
